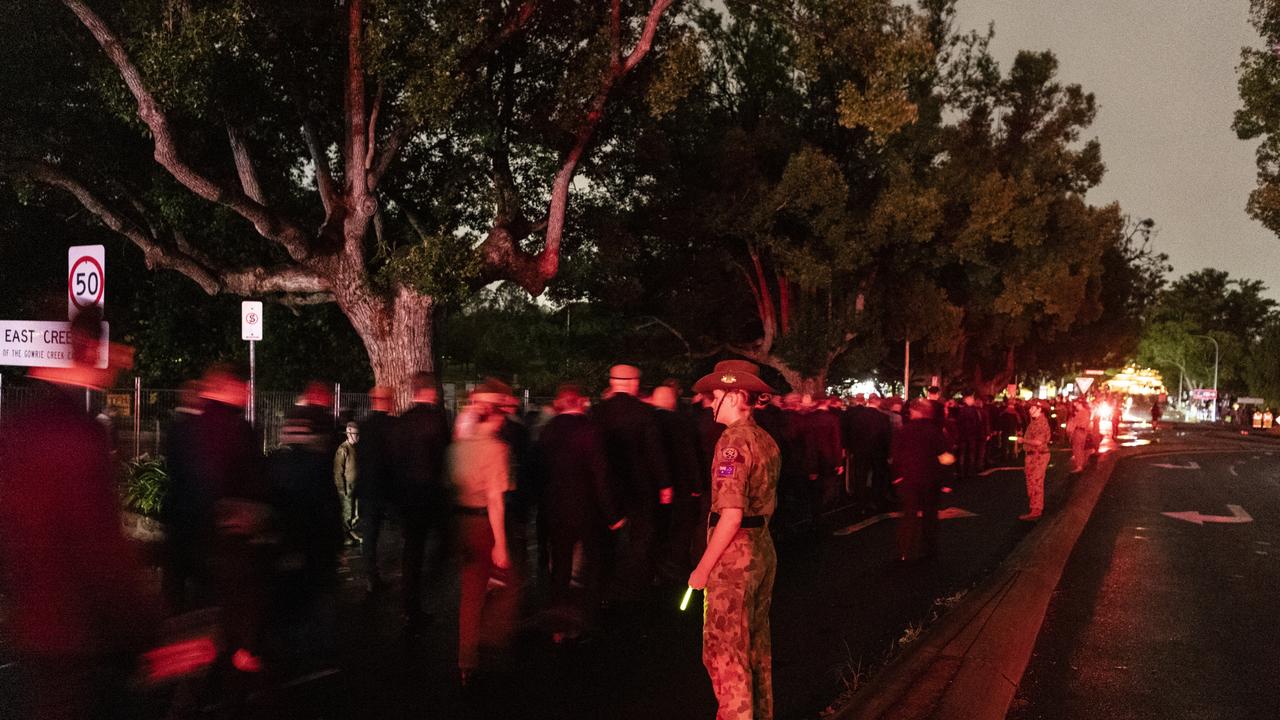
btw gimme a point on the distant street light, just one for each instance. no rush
(1215, 373)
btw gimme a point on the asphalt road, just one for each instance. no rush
(1162, 617)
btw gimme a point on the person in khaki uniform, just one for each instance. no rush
(1036, 442)
(344, 477)
(737, 569)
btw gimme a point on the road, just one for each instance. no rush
(1168, 616)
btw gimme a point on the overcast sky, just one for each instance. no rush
(1164, 73)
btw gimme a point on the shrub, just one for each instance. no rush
(146, 481)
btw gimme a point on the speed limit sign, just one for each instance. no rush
(86, 278)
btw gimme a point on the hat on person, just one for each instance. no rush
(733, 375)
(494, 392)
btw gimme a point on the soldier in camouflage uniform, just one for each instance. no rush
(1036, 441)
(737, 568)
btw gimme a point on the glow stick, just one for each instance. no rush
(684, 604)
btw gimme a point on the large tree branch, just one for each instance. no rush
(501, 254)
(268, 224)
(357, 122)
(180, 257)
(244, 165)
(324, 176)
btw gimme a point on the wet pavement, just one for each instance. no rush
(1168, 616)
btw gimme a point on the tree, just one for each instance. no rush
(1234, 312)
(1259, 116)
(383, 156)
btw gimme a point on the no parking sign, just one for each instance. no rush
(86, 278)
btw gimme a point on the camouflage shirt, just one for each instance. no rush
(744, 470)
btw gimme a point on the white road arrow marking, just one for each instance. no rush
(950, 513)
(1238, 515)
(1191, 465)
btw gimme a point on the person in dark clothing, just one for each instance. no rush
(638, 470)
(1008, 428)
(76, 609)
(867, 433)
(825, 463)
(688, 477)
(228, 466)
(307, 517)
(920, 459)
(970, 437)
(374, 480)
(578, 507)
(421, 438)
(185, 506)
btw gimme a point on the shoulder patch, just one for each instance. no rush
(729, 454)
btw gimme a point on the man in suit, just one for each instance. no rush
(867, 433)
(639, 473)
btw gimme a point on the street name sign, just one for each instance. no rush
(35, 343)
(86, 278)
(251, 320)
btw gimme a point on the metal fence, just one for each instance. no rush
(138, 417)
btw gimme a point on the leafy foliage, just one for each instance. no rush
(146, 481)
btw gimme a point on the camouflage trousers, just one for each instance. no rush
(736, 647)
(1036, 466)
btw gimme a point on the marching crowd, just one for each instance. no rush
(601, 500)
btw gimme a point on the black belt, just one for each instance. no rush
(464, 510)
(748, 521)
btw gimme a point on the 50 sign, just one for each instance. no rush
(86, 278)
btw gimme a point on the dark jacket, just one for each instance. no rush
(421, 437)
(374, 464)
(633, 448)
(916, 448)
(867, 432)
(680, 441)
(569, 462)
(307, 515)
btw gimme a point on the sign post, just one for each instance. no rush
(251, 330)
(86, 278)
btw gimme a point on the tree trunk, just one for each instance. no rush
(398, 335)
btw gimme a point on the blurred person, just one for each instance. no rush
(680, 442)
(478, 470)
(421, 438)
(970, 436)
(186, 545)
(1008, 427)
(309, 522)
(230, 479)
(373, 481)
(867, 434)
(1157, 412)
(522, 495)
(346, 474)
(739, 564)
(641, 481)
(78, 615)
(1036, 443)
(578, 508)
(921, 456)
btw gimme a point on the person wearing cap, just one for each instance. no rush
(1036, 443)
(737, 568)
(345, 475)
(921, 455)
(639, 473)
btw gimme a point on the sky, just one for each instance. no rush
(1164, 73)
